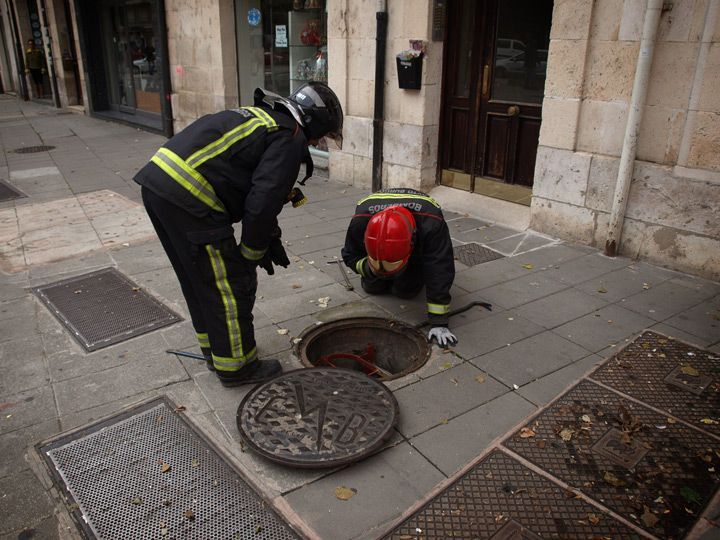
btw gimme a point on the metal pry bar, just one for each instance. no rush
(348, 285)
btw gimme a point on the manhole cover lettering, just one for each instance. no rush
(690, 383)
(625, 454)
(317, 417)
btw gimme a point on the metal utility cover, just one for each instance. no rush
(501, 499)
(318, 417)
(669, 375)
(8, 192)
(33, 149)
(473, 254)
(147, 474)
(103, 308)
(591, 435)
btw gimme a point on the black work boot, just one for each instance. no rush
(208, 358)
(255, 372)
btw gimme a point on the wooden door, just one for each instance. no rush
(494, 76)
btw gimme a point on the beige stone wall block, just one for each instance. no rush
(337, 23)
(660, 135)
(357, 136)
(185, 105)
(340, 165)
(362, 172)
(185, 51)
(403, 144)
(698, 24)
(566, 60)
(416, 19)
(631, 24)
(610, 70)
(393, 101)
(337, 74)
(361, 94)
(564, 221)
(705, 141)
(432, 63)
(675, 23)
(208, 103)
(658, 196)
(606, 18)
(561, 175)
(602, 127)
(398, 176)
(430, 141)
(396, 18)
(433, 104)
(672, 248)
(203, 53)
(199, 79)
(361, 18)
(716, 33)
(601, 182)
(571, 19)
(559, 122)
(709, 95)
(671, 78)
(361, 59)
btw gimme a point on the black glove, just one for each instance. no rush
(277, 253)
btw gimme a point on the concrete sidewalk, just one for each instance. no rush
(559, 309)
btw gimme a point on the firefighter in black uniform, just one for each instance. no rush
(399, 241)
(235, 165)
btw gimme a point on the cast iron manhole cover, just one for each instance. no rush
(33, 149)
(103, 308)
(8, 192)
(669, 375)
(654, 471)
(472, 254)
(147, 474)
(501, 499)
(318, 417)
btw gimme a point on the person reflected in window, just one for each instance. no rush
(35, 67)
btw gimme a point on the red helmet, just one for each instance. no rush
(389, 240)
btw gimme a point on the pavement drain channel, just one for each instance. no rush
(473, 254)
(148, 474)
(500, 498)
(669, 375)
(33, 149)
(318, 417)
(381, 348)
(8, 192)
(103, 308)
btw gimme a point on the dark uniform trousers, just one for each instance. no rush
(219, 285)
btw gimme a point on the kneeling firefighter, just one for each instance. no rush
(234, 165)
(399, 241)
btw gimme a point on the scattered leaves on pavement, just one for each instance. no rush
(324, 301)
(195, 463)
(613, 480)
(648, 518)
(189, 514)
(566, 434)
(541, 443)
(345, 493)
(165, 467)
(585, 418)
(180, 408)
(137, 500)
(709, 421)
(447, 365)
(526, 432)
(689, 370)
(528, 266)
(602, 290)
(282, 331)
(646, 286)
(296, 286)
(480, 378)
(594, 519)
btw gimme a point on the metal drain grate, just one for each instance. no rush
(501, 499)
(33, 149)
(103, 308)
(8, 192)
(669, 375)
(146, 474)
(473, 254)
(626, 456)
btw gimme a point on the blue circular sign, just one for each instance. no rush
(254, 17)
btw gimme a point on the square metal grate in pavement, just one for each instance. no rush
(103, 308)
(148, 474)
(8, 192)
(501, 499)
(473, 254)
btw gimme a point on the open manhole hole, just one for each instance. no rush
(381, 348)
(33, 149)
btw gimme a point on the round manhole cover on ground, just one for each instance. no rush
(318, 417)
(33, 149)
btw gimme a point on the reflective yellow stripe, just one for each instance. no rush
(231, 312)
(224, 363)
(203, 340)
(381, 195)
(359, 266)
(252, 254)
(438, 309)
(234, 135)
(188, 178)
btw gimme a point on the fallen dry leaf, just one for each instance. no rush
(195, 463)
(613, 480)
(648, 518)
(671, 420)
(541, 443)
(180, 408)
(296, 286)
(282, 331)
(480, 378)
(709, 421)
(528, 266)
(345, 493)
(594, 519)
(526, 432)
(189, 514)
(165, 467)
(602, 290)
(585, 418)
(689, 370)
(566, 434)
(137, 500)
(447, 365)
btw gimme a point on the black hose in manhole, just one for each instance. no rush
(384, 349)
(33, 149)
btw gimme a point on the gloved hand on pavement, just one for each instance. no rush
(277, 253)
(442, 336)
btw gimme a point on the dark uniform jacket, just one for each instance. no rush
(432, 247)
(234, 165)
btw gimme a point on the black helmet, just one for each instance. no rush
(320, 111)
